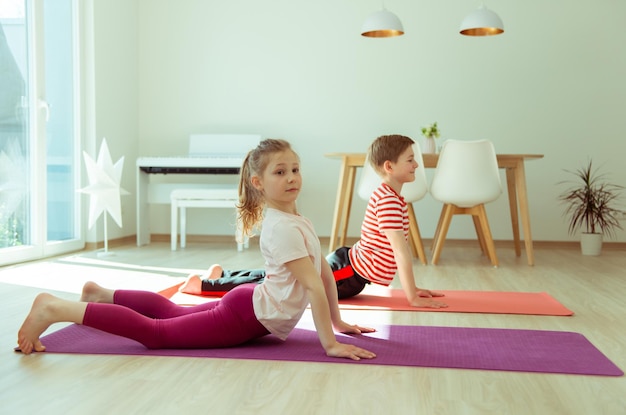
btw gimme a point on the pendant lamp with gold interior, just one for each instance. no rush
(382, 24)
(482, 22)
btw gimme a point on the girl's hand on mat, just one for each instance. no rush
(349, 351)
(346, 328)
(427, 303)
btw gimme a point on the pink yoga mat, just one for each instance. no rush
(442, 347)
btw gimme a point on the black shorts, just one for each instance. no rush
(349, 282)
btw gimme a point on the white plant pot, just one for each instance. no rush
(591, 243)
(429, 146)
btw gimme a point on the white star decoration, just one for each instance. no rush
(104, 185)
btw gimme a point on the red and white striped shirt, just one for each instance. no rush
(372, 256)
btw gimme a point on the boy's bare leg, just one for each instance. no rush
(47, 310)
(193, 284)
(94, 293)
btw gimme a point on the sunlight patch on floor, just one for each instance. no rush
(68, 277)
(111, 262)
(364, 318)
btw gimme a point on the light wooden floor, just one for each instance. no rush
(594, 287)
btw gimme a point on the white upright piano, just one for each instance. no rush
(209, 154)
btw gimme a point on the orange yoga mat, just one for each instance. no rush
(383, 298)
(491, 302)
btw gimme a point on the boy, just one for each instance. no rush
(383, 248)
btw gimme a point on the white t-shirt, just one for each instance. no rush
(280, 300)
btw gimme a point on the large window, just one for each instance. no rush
(39, 129)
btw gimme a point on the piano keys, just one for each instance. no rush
(190, 165)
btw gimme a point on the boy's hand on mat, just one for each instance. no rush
(349, 351)
(427, 303)
(427, 293)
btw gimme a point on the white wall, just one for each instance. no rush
(551, 84)
(115, 100)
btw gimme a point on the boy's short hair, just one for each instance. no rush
(387, 147)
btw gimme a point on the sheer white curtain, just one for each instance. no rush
(39, 129)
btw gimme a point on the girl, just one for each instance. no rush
(297, 275)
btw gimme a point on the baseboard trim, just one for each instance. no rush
(608, 245)
(113, 243)
(129, 240)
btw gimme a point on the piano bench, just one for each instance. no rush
(210, 197)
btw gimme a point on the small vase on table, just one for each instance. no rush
(430, 133)
(429, 145)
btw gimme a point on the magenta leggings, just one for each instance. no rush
(158, 323)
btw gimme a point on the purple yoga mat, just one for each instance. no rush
(446, 347)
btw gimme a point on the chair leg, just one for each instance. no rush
(183, 227)
(415, 237)
(444, 224)
(483, 232)
(174, 224)
(479, 234)
(491, 249)
(441, 215)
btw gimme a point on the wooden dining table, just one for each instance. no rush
(513, 164)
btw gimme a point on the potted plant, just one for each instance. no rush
(590, 205)
(430, 133)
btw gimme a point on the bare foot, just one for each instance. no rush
(94, 293)
(46, 310)
(193, 284)
(37, 321)
(214, 272)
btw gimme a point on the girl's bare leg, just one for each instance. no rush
(193, 284)
(47, 310)
(94, 293)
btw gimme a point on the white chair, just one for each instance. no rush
(216, 196)
(465, 179)
(412, 192)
